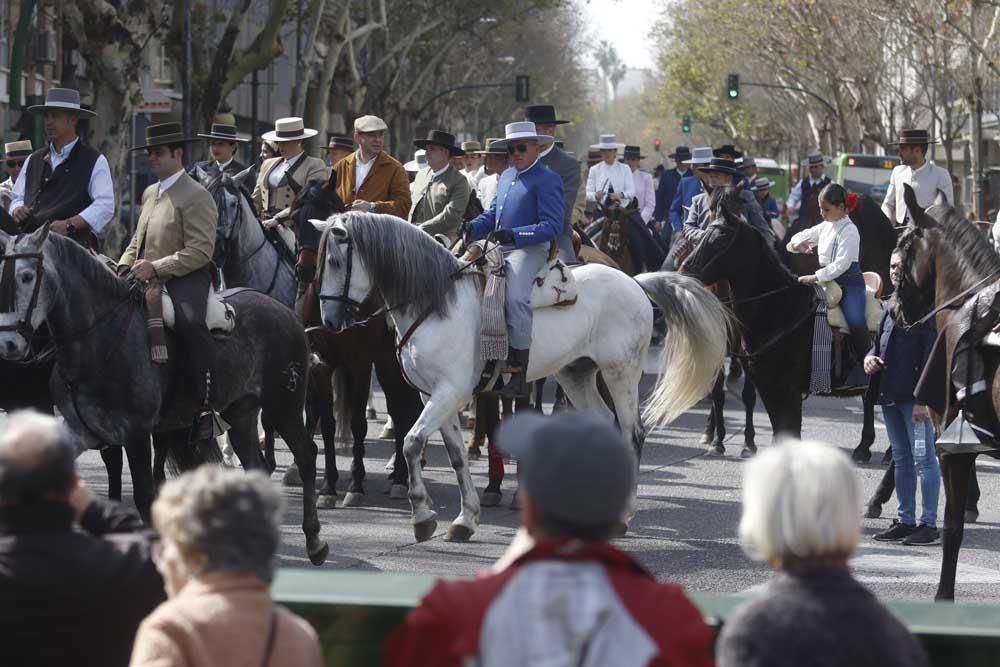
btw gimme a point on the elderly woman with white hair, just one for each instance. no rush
(800, 514)
(219, 532)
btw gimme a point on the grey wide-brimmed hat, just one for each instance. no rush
(700, 155)
(560, 451)
(814, 158)
(761, 183)
(62, 99)
(164, 134)
(418, 162)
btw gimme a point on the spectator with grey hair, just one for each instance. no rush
(567, 597)
(800, 514)
(220, 532)
(76, 573)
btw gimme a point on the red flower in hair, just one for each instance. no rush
(852, 201)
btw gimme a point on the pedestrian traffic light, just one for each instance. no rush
(656, 145)
(686, 125)
(733, 86)
(522, 88)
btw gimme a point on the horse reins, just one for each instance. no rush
(953, 302)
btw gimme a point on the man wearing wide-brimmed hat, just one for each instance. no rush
(473, 162)
(173, 244)
(339, 147)
(282, 178)
(440, 192)
(803, 200)
(566, 166)
(15, 154)
(526, 214)
(667, 188)
(722, 173)
(925, 178)
(223, 143)
(687, 190)
(609, 180)
(495, 162)
(66, 184)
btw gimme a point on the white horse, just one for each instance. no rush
(436, 308)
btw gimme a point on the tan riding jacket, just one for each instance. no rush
(176, 231)
(276, 202)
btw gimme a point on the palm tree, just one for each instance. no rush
(611, 67)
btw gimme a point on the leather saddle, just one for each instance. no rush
(220, 316)
(873, 306)
(554, 285)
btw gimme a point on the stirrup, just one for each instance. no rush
(208, 424)
(961, 432)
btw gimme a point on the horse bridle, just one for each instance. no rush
(8, 293)
(352, 306)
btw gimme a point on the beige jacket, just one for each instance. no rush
(176, 231)
(277, 202)
(222, 620)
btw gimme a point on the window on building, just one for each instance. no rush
(163, 67)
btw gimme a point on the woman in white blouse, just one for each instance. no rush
(645, 193)
(609, 179)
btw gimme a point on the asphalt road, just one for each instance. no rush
(685, 527)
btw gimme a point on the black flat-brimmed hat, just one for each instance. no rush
(440, 138)
(913, 138)
(680, 154)
(721, 166)
(223, 132)
(62, 99)
(727, 149)
(340, 141)
(163, 134)
(543, 114)
(633, 153)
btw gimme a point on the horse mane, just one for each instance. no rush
(97, 277)
(975, 258)
(405, 264)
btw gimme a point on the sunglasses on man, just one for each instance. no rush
(14, 164)
(517, 148)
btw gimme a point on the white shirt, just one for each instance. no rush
(645, 192)
(838, 244)
(795, 196)
(361, 170)
(442, 170)
(167, 182)
(925, 181)
(222, 165)
(602, 177)
(274, 178)
(100, 188)
(475, 176)
(486, 189)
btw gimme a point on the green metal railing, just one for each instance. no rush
(353, 612)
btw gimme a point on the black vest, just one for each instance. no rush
(809, 213)
(63, 193)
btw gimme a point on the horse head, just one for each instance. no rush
(343, 282)
(918, 250)
(25, 295)
(719, 251)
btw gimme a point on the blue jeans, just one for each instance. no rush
(853, 301)
(900, 426)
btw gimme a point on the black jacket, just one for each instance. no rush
(905, 354)
(74, 595)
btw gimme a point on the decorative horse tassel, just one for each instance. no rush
(154, 322)
(493, 335)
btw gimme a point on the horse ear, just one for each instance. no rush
(917, 215)
(320, 225)
(40, 234)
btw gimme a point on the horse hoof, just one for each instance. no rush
(491, 499)
(458, 533)
(391, 465)
(371, 414)
(716, 450)
(873, 511)
(748, 452)
(887, 457)
(706, 439)
(475, 453)
(354, 499)
(399, 492)
(326, 501)
(425, 530)
(388, 433)
(620, 530)
(318, 556)
(861, 454)
(971, 516)
(292, 476)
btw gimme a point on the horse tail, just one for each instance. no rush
(695, 346)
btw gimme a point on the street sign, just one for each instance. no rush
(522, 88)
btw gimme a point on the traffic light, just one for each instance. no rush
(656, 145)
(733, 86)
(522, 88)
(686, 125)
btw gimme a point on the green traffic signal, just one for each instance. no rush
(733, 86)
(686, 125)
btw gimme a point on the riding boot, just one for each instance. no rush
(204, 424)
(517, 387)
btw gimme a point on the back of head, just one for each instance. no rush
(800, 501)
(37, 459)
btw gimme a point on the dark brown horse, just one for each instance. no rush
(946, 260)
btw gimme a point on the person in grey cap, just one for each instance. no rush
(571, 598)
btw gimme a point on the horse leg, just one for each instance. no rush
(242, 420)
(359, 429)
(956, 469)
(137, 450)
(972, 502)
(715, 426)
(863, 452)
(112, 457)
(783, 405)
(492, 495)
(749, 397)
(467, 521)
(479, 435)
(438, 410)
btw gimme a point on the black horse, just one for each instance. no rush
(109, 390)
